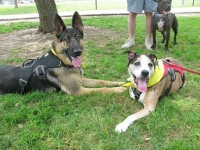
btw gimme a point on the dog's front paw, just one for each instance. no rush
(122, 127)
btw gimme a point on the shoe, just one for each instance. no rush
(148, 43)
(129, 42)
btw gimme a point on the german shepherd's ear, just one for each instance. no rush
(77, 21)
(59, 25)
(131, 54)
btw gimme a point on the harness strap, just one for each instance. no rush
(183, 80)
(136, 93)
(25, 73)
(40, 72)
(173, 78)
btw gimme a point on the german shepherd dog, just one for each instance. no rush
(59, 69)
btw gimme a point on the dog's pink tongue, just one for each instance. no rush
(142, 85)
(76, 61)
(166, 13)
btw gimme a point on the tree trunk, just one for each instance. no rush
(16, 4)
(47, 10)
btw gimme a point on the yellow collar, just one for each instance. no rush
(52, 50)
(155, 78)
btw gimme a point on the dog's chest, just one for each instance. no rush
(160, 25)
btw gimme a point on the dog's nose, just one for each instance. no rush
(145, 73)
(77, 51)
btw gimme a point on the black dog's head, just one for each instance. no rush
(164, 6)
(69, 44)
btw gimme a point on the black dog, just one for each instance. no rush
(163, 21)
(59, 69)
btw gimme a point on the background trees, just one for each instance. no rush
(47, 10)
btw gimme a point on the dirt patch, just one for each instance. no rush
(31, 44)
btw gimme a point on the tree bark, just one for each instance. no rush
(47, 10)
(182, 2)
(16, 4)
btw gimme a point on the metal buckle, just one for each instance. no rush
(40, 71)
(22, 82)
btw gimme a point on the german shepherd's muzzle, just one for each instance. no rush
(59, 69)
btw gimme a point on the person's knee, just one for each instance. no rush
(148, 15)
(132, 14)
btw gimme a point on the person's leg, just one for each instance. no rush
(131, 24)
(149, 7)
(148, 41)
(148, 24)
(133, 7)
(131, 29)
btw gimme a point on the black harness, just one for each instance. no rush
(38, 66)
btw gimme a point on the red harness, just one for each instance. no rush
(170, 65)
(178, 68)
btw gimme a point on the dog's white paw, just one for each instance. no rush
(122, 127)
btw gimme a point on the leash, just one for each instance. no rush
(180, 67)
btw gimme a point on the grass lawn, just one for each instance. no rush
(49, 121)
(81, 5)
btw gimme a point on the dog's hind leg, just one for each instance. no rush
(164, 37)
(167, 39)
(75, 87)
(154, 39)
(175, 29)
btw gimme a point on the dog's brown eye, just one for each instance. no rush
(150, 65)
(137, 63)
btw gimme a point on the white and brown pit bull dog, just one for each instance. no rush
(150, 79)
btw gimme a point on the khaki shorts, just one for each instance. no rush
(137, 6)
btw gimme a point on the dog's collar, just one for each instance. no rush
(52, 50)
(159, 16)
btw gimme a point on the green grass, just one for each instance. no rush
(59, 121)
(79, 5)
(5, 28)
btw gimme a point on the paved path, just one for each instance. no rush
(95, 13)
